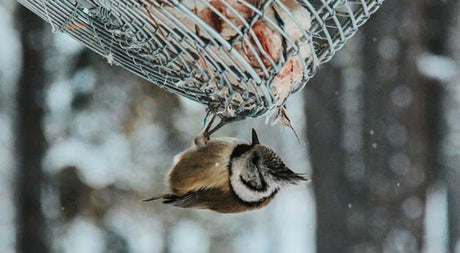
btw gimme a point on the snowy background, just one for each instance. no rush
(379, 129)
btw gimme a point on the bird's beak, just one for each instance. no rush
(255, 138)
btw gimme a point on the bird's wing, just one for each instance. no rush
(214, 199)
(202, 168)
(180, 201)
(175, 200)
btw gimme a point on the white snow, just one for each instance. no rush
(254, 240)
(294, 221)
(438, 67)
(59, 97)
(190, 110)
(189, 237)
(436, 223)
(67, 45)
(142, 231)
(84, 81)
(99, 165)
(82, 235)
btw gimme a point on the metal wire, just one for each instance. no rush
(226, 66)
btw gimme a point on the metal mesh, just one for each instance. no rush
(241, 58)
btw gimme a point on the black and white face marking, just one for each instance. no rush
(248, 178)
(252, 176)
(277, 170)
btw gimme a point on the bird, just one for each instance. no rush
(226, 175)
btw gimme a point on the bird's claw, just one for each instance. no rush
(202, 139)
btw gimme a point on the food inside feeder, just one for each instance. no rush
(240, 58)
(273, 42)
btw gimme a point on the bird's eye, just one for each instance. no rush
(255, 160)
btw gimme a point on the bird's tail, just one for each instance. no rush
(175, 200)
(156, 197)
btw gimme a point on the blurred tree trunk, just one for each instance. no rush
(397, 154)
(402, 109)
(30, 141)
(373, 199)
(438, 18)
(324, 130)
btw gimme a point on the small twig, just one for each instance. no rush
(75, 26)
(149, 13)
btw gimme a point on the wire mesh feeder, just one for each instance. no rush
(241, 58)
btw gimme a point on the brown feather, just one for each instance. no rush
(220, 201)
(202, 168)
(202, 174)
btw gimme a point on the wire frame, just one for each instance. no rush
(221, 59)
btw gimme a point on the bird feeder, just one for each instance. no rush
(240, 58)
